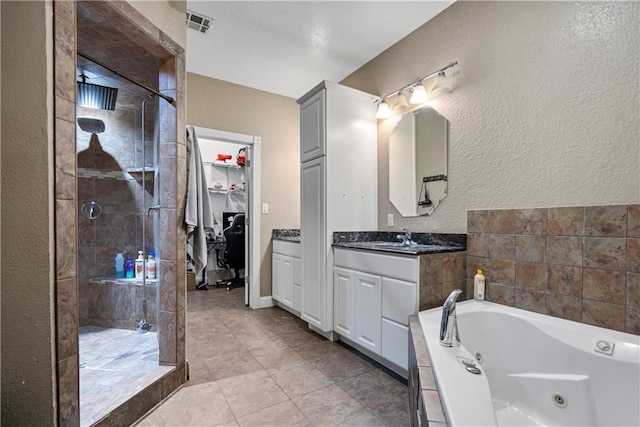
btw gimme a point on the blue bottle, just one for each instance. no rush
(130, 272)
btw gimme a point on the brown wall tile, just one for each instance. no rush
(565, 221)
(605, 221)
(632, 320)
(564, 280)
(633, 289)
(564, 250)
(603, 314)
(531, 276)
(531, 248)
(501, 272)
(633, 221)
(531, 221)
(502, 246)
(564, 306)
(478, 244)
(531, 300)
(604, 285)
(633, 254)
(478, 222)
(502, 221)
(501, 294)
(604, 252)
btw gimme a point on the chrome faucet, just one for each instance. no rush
(449, 324)
(406, 237)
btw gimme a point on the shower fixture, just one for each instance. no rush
(91, 125)
(91, 210)
(96, 96)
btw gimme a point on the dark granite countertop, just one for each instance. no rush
(286, 234)
(382, 241)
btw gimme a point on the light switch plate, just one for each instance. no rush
(265, 208)
(390, 220)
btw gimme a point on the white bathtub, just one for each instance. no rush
(536, 370)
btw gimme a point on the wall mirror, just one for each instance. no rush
(418, 162)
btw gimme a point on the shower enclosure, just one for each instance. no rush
(118, 212)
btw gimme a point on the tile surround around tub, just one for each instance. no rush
(577, 263)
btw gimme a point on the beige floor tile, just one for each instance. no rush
(198, 405)
(232, 364)
(282, 414)
(251, 392)
(298, 379)
(328, 406)
(343, 365)
(366, 419)
(279, 359)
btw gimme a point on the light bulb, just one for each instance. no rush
(401, 103)
(383, 110)
(418, 95)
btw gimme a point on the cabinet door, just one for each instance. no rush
(297, 285)
(314, 245)
(344, 299)
(368, 305)
(312, 127)
(395, 343)
(286, 280)
(276, 261)
(399, 300)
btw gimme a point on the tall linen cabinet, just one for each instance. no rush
(338, 156)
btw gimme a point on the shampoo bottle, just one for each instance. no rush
(120, 264)
(478, 285)
(130, 271)
(151, 266)
(140, 266)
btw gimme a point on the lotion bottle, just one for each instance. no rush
(140, 266)
(478, 285)
(151, 266)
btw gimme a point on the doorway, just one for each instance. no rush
(251, 197)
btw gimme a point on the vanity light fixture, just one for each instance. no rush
(383, 110)
(401, 103)
(419, 94)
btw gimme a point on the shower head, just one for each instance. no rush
(89, 124)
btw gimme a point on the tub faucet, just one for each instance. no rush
(449, 324)
(406, 237)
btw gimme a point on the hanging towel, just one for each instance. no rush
(197, 212)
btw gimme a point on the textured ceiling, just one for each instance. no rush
(286, 47)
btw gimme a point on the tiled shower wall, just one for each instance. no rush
(577, 263)
(103, 161)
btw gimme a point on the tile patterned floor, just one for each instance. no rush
(265, 368)
(117, 364)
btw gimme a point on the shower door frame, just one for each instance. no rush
(252, 266)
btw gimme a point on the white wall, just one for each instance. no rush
(545, 113)
(168, 15)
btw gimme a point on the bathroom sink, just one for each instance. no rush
(391, 245)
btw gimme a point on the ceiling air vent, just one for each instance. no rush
(198, 22)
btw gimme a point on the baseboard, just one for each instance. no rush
(265, 302)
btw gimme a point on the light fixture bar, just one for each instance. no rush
(435, 73)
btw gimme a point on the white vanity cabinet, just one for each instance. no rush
(338, 133)
(285, 274)
(374, 295)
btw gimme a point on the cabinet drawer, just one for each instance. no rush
(396, 266)
(395, 343)
(283, 247)
(399, 300)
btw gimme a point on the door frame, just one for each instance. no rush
(252, 267)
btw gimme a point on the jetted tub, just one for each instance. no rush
(535, 370)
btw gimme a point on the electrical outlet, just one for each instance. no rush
(265, 208)
(390, 220)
